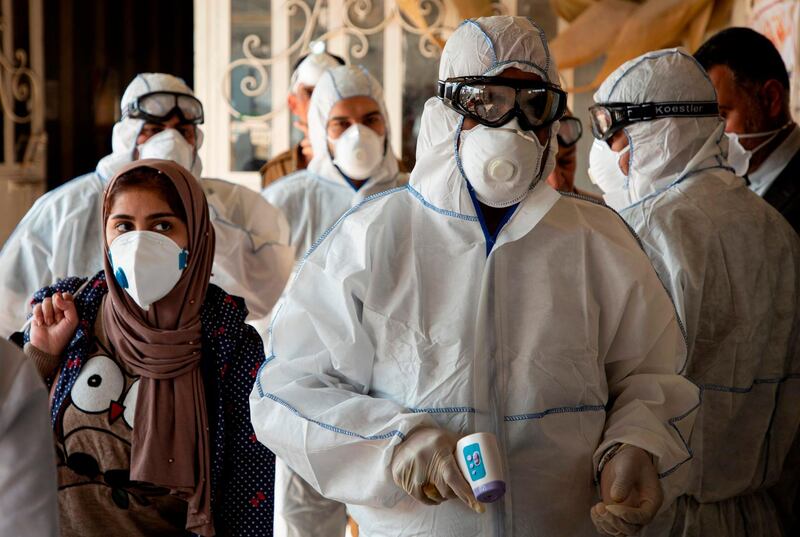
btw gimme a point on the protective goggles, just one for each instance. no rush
(494, 101)
(608, 118)
(159, 106)
(570, 130)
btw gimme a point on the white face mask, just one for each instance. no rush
(147, 265)
(169, 144)
(604, 169)
(738, 156)
(501, 164)
(358, 151)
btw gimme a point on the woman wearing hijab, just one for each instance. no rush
(150, 369)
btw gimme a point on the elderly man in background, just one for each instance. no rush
(307, 72)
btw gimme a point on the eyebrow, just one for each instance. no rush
(365, 116)
(154, 216)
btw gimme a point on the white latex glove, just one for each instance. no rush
(631, 493)
(424, 466)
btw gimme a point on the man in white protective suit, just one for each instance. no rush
(444, 308)
(62, 233)
(349, 132)
(732, 265)
(307, 72)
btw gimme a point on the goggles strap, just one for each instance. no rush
(648, 111)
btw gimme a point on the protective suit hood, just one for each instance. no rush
(337, 84)
(311, 69)
(485, 46)
(665, 150)
(126, 130)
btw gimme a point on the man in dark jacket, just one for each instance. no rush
(753, 92)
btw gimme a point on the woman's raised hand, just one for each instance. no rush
(54, 323)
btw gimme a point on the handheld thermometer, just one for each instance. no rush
(479, 459)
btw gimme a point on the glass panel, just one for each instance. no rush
(250, 27)
(23, 107)
(364, 21)
(421, 75)
(18, 87)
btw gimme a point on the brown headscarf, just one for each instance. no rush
(169, 447)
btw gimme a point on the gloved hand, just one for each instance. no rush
(424, 466)
(631, 493)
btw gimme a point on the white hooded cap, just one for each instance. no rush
(311, 69)
(126, 130)
(486, 47)
(339, 83)
(664, 150)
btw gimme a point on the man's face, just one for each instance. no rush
(563, 176)
(355, 110)
(299, 102)
(542, 133)
(741, 109)
(149, 130)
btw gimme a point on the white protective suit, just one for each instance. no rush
(313, 199)
(28, 490)
(560, 340)
(62, 234)
(732, 264)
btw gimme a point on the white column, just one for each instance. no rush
(212, 53)
(280, 130)
(37, 153)
(394, 68)
(334, 21)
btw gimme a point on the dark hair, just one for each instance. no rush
(304, 56)
(151, 179)
(751, 56)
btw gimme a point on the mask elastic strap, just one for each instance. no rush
(774, 134)
(749, 135)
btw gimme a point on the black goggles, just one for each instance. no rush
(494, 101)
(609, 118)
(159, 106)
(570, 130)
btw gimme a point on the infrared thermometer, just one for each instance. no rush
(478, 458)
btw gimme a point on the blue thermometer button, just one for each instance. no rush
(472, 454)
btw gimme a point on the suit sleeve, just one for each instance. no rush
(24, 268)
(311, 402)
(651, 405)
